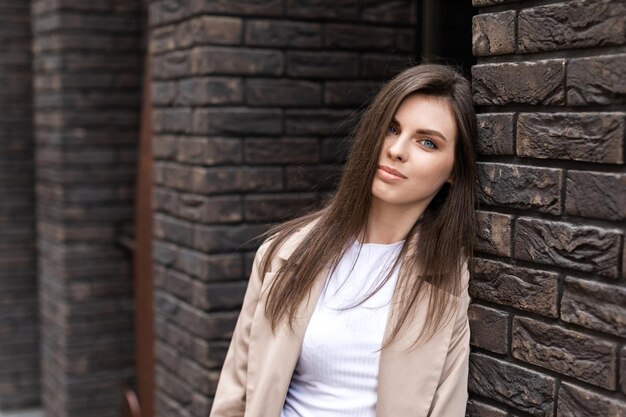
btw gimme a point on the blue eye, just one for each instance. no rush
(392, 130)
(429, 143)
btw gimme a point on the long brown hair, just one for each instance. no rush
(435, 247)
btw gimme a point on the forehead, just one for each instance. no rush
(420, 111)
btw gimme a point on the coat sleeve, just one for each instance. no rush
(451, 396)
(230, 396)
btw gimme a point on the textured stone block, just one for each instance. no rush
(277, 206)
(174, 64)
(309, 64)
(323, 9)
(234, 179)
(278, 33)
(583, 248)
(478, 409)
(312, 178)
(623, 370)
(281, 151)
(526, 390)
(205, 267)
(594, 305)
(349, 93)
(171, 120)
(214, 209)
(591, 137)
(596, 80)
(521, 187)
(267, 92)
(358, 36)
(580, 402)
(596, 195)
(218, 295)
(212, 30)
(493, 233)
(236, 121)
(208, 151)
(571, 353)
(522, 288)
(495, 134)
(536, 83)
(489, 328)
(576, 24)
(384, 66)
(318, 122)
(227, 60)
(220, 238)
(493, 33)
(396, 12)
(208, 91)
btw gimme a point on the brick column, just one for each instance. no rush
(252, 101)
(19, 324)
(549, 318)
(87, 75)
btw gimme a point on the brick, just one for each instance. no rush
(538, 82)
(494, 233)
(334, 150)
(173, 230)
(241, 61)
(322, 9)
(405, 40)
(209, 151)
(225, 238)
(210, 354)
(384, 66)
(358, 36)
(526, 390)
(596, 195)
(594, 305)
(577, 401)
(163, 93)
(278, 33)
(172, 385)
(596, 80)
(313, 178)
(205, 267)
(622, 371)
(281, 151)
(591, 137)
(236, 121)
(483, 3)
(489, 328)
(564, 351)
(521, 288)
(162, 39)
(268, 92)
(197, 377)
(396, 12)
(208, 91)
(582, 248)
(495, 134)
(218, 296)
(478, 409)
(318, 122)
(172, 175)
(163, 253)
(235, 179)
(171, 120)
(520, 186)
(200, 405)
(576, 24)
(171, 65)
(349, 93)
(239, 7)
(493, 33)
(273, 207)
(214, 209)
(316, 65)
(214, 30)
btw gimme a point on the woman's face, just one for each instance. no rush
(417, 156)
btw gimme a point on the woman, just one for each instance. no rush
(360, 309)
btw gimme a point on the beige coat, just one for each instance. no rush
(430, 380)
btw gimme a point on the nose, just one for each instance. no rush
(397, 150)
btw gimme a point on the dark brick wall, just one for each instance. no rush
(19, 330)
(87, 67)
(252, 102)
(549, 313)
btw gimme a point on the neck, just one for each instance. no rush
(389, 223)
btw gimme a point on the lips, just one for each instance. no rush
(391, 171)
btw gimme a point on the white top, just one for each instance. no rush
(337, 371)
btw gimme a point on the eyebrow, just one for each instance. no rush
(424, 131)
